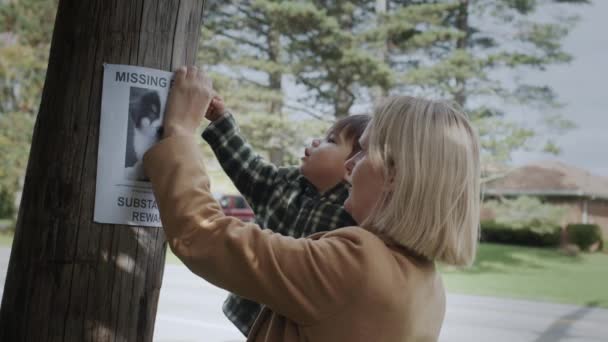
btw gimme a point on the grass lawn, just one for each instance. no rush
(6, 239)
(533, 273)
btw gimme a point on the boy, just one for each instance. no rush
(294, 201)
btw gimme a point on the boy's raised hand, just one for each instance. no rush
(188, 101)
(216, 109)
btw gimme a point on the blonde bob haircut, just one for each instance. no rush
(430, 153)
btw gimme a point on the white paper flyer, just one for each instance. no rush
(132, 107)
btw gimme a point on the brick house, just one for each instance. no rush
(584, 194)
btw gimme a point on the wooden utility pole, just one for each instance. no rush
(70, 279)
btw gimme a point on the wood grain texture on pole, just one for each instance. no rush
(70, 279)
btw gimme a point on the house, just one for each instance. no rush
(584, 194)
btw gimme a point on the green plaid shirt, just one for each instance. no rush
(281, 198)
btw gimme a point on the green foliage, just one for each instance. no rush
(499, 137)
(470, 69)
(31, 20)
(346, 52)
(328, 52)
(7, 204)
(241, 45)
(15, 136)
(527, 213)
(328, 48)
(25, 37)
(523, 221)
(26, 27)
(584, 235)
(492, 231)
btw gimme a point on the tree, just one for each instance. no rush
(496, 36)
(246, 45)
(327, 47)
(242, 36)
(25, 35)
(339, 50)
(15, 137)
(68, 277)
(325, 41)
(349, 51)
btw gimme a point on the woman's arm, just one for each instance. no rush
(302, 279)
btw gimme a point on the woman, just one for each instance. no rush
(415, 197)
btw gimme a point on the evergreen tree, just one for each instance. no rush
(325, 45)
(243, 43)
(340, 50)
(497, 37)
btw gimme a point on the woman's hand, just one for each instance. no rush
(188, 101)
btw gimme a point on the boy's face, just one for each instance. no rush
(323, 161)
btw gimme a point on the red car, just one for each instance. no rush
(235, 205)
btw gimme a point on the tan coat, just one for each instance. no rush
(345, 285)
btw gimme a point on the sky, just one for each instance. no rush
(582, 86)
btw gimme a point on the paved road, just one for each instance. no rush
(189, 310)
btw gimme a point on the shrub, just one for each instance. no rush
(526, 213)
(492, 231)
(584, 235)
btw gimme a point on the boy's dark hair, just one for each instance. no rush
(353, 127)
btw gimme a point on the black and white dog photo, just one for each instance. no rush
(144, 123)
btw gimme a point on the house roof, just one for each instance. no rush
(549, 178)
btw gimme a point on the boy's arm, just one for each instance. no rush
(301, 279)
(251, 174)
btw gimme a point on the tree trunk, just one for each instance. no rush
(343, 102)
(275, 78)
(70, 279)
(462, 24)
(344, 98)
(381, 10)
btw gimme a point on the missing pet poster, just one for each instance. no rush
(132, 107)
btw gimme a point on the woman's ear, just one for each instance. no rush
(348, 170)
(390, 179)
